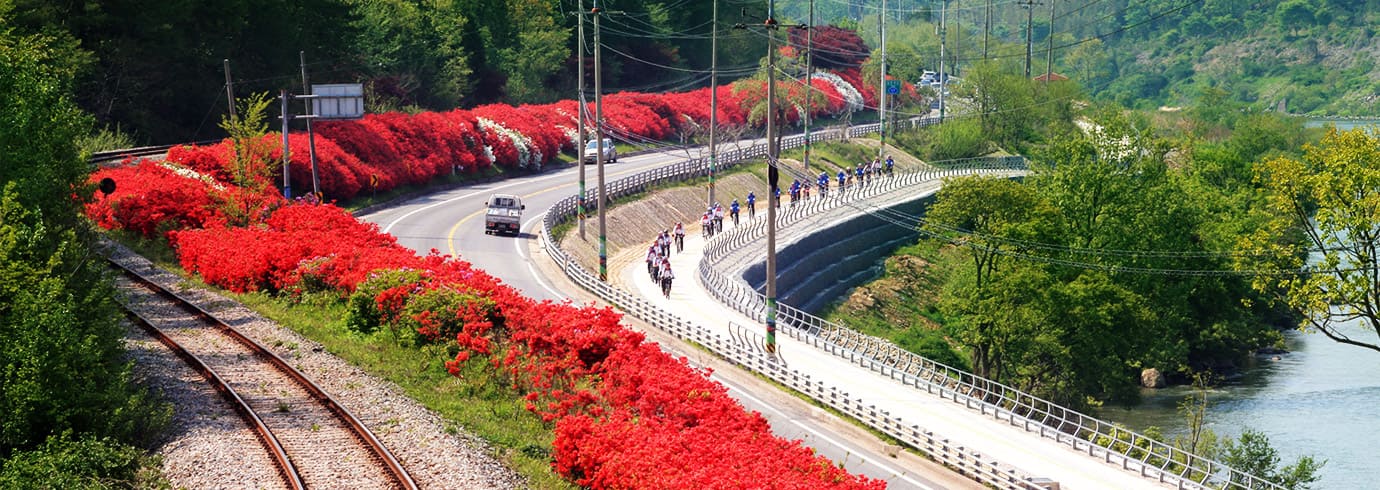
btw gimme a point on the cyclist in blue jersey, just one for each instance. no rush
(733, 211)
(752, 205)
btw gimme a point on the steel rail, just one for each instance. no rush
(275, 448)
(357, 427)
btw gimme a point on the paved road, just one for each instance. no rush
(451, 222)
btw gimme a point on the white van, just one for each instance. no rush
(592, 151)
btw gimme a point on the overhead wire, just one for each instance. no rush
(918, 224)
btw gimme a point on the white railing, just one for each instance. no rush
(965, 460)
(1114, 444)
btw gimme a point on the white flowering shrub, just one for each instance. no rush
(852, 98)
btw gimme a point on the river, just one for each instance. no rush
(1320, 399)
(1342, 124)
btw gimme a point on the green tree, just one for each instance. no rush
(41, 122)
(991, 218)
(1331, 198)
(538, 54)
(61, 360)
(414, 52)
(1005, 102)
(1253, 454)
(251, 167)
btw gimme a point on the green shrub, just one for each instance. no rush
(60, 341)
(87, 463)
(958, 138)
(438, 314)
(363, 313)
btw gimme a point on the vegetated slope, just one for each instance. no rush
(1297, 56)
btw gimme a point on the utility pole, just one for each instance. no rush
(809, 80)
(943, 36)
(580, 99)
(287, 152)
(1029, 19)
(986, 29)
(713, 100)
(1049, 49)
(599, 147)
(881, 94)
(773, 151)
(230, 89)
(311, 138)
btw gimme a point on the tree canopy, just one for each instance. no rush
(1331, 199)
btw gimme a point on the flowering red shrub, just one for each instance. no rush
(208, 160)
(535, 141)
(151, 199)
(854, 77)
(833, 47)
(289, 248)
(625, 414)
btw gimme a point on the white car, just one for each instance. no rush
(592, 151)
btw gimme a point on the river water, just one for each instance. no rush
(1321, 399)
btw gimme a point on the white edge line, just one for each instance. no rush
(517, 244)
(856, 452)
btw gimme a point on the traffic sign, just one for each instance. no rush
(893, 87)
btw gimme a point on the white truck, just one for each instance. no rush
(504, 214)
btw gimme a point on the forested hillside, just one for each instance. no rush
(1300, 56)
(155, 68)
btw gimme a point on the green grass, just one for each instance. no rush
(477, 401)
(834, 155)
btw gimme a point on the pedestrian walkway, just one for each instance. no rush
(1029, 453)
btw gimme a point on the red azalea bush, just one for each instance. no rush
(854, 77)
(208, 160)
(625, 414)
(292, 246)
(151, 199)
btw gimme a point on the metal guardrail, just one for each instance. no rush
(968, 462)
(1114, 444)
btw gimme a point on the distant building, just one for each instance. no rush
(1053, 77)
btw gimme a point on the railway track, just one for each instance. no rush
(313, 439)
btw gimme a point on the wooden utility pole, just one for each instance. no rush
(229, 89)
(1029, 18)
(943, 37)
(881, 94)
(713, 101)
(773, 176)
(809, 79)
(599, 147)
(986, 29)
(311, 137)
(1049, 49)
(580, 99)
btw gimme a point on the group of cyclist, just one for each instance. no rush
(712, 221)
(860, 176)
(659, 257)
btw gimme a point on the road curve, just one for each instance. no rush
(451, 222)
